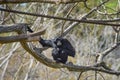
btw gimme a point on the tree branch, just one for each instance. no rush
(22, 37)
(13, 27)
(82, 18)
(41, 1)
(103, 54)
(61, 18)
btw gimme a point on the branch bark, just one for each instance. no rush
(14, 27)
(41, 1)
(22, 37)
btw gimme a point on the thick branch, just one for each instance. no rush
(13, 27)
(41, 1)
(40, 57)
(22, 37)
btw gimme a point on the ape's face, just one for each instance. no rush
(58, 42)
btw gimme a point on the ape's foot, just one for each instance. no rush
(69, 63)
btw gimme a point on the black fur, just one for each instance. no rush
(62, 48)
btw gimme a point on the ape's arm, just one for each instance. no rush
(47, 43)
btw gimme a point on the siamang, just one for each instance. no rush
(62, 48)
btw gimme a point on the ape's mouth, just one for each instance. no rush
(59, 43)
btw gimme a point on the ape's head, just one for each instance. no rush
(58, 41)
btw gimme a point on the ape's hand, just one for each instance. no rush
(55, 51)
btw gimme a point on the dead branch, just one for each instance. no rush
(22, 37)
(13, 28)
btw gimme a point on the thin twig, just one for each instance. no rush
(67, 16)
(29, 69)
(94, 9)
(95, 75)
(4, 70)
(79, 76)
(83, 18)
(101, 75)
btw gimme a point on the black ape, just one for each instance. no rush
(62, 48)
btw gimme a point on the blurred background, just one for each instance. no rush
(88, 39)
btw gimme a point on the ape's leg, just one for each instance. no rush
(63, 56)
(68, 47)
(69, 52)
(59, 55)
(55, 55)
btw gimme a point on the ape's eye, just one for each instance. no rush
(59, 43)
